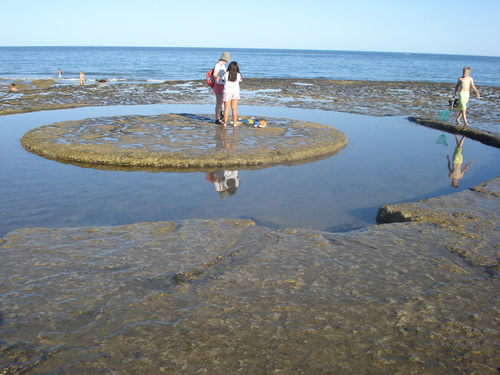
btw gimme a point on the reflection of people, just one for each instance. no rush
(82, 79)
(232, 181)
(13, 87)
(219, 70)
(225, 182)
(456, 173)
(59, 71)
(464, 84)
(225, 140)
(231, 79)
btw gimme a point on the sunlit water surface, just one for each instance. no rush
(387, 160)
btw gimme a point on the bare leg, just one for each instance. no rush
(218, 106)
(226, 112)
(465, 118)
(234, 111)
(459, 117)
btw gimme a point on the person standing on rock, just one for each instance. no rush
(219, 70)
(82, 79)
(231, 79)
(464, 84)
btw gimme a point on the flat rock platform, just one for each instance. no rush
(182, 141)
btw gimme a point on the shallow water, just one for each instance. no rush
(387, 160)
(159, 64)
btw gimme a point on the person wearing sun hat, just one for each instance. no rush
(219, 70)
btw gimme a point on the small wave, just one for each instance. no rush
(190, 83)
(261, 91)
(155, 80)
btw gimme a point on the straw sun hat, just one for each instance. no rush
(225, 56)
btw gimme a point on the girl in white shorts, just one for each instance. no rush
(231, 79)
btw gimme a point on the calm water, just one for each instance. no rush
(387, 160)
(158, 64)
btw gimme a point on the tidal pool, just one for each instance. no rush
(387, 160)
(186, 295)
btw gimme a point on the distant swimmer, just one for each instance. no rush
(59, 71)
(82, 79)
(102, 81)
(13, 87)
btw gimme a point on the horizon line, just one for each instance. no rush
(246, 48)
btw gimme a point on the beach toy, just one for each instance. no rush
(442, 140)
(446, 114)
(247, 121)
(259, 124)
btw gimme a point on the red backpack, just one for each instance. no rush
(210, 78)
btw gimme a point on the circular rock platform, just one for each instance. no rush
(182, 141)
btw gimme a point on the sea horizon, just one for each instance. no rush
(253, 48)
(156, 64)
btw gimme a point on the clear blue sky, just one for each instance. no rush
(427, 26)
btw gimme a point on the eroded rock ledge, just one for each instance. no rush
(487, 137)
(182, 141)
(473, 215)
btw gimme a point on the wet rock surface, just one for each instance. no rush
(227, 296)
(182, 141)
(374, 98)
(471, 214)
(484, 136)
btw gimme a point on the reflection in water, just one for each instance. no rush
(225, 182)
(225, 140)
(456, 172)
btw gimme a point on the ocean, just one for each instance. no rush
(148, 64)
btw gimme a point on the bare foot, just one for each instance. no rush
(466, 123)
(459, 122)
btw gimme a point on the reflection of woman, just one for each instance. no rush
(225, 182)
(456, 173)
(231, 181)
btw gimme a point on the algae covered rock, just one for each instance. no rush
(43, 83)
(182, 141)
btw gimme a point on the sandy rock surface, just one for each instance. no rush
(230, 296)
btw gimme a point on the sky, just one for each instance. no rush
(420, 26)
